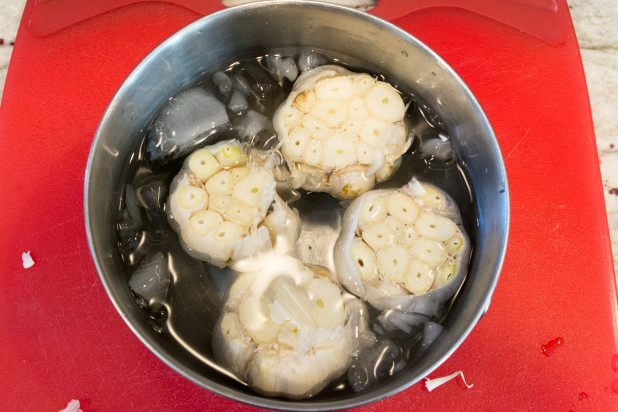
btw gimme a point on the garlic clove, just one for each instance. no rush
(228, 232)
(393, 262)
(335, 88)
(402, 207)
(379, 236)
(364, 259)
(418, 278)
(203, 222)
(230, 155)
(372, 210)
(328, 309)
(203, 164)
(435, 227)
(220, 183)
(385, 102)
(192, 198)
(428, 251)
(256, 190)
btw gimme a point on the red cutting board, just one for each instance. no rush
(62, 339)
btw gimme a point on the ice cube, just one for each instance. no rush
(186, 120)
(241, 84)
(374, 362)
(132, 206)
(251, 124)
(256, 129)
(431, 333)
(359, 377)
(310, 59)
(439, 148)
(238, 102)
(266, 91)
(281, 68)
(151, 279)
(152, 196)
(394, 322)
(223, 82)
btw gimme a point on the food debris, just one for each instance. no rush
(583, 396)
(613, 191)
(27, 260)
(552, 346)
(72, 406)
(432, 384)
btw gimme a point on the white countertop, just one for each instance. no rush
(595, 22)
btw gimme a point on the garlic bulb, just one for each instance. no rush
(224, 206)
(403, 249)
(341, 132)
(286, 328)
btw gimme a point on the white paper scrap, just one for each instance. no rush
(72, 406)
(432, 384)
(27, 260)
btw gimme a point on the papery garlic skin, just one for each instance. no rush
(403, 249)
(220, 206)
(341, 132)
(286, 328)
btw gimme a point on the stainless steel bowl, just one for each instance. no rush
(249, 31)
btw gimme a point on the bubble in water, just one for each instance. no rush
(583, 396)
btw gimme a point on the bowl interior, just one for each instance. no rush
(249, 31)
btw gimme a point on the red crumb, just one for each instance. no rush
(613, 191)
(583, 396)
(552, 346)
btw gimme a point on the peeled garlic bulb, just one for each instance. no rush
(403, 249)
(286, 328)
(220, 202)
(336, 121)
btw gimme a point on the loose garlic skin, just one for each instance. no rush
(341, 132)
(403, 249)
(220, 206)
(286, 328)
